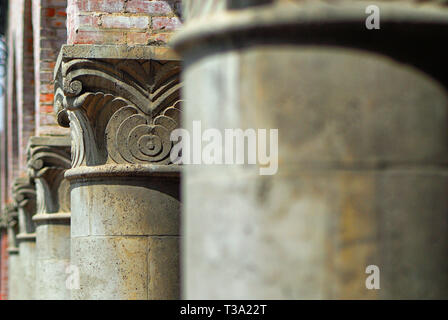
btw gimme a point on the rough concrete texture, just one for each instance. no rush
(361, 179)
(125, 234)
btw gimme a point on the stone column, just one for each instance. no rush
(48, 158)
(14, 267)
(121, 104)
(362, 150)
(24, 193)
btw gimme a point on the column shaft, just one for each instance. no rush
(362, 153)
(133, 223)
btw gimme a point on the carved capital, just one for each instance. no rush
(10, 219)
(120, 102)
(9, 215)
(24, 193)
(3, 220)
(48, 158)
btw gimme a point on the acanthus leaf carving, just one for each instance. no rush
(119, 110)
(48, 158)
(10, 218)
(136, 138)
(24, 193)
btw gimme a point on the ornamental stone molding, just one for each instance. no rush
(10, 221)
(3, 220)
(24, 193)
(48, 158)
(120, 102)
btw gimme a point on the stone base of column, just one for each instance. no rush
(14, 274)
(52, 256)
(27, 258)
(125, 231)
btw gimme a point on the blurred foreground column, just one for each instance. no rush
(25, 196)
(121, 104)
(48, 158)
(363, 146)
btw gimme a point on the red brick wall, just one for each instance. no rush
(50, 33)
(3, 265)
(20, 120)
(12, 140)
(122, 22)
(24, 78)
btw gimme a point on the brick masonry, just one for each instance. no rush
(25, 78)
(122, 22)
(50, 33)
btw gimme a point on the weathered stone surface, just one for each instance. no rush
(50, 234)
(53, 256)
(154, 203)
(56, 289)
(119, 272)
(27, 261)
(124, 218)
(362, 172)
(120, 110)
(14, 276)
(163, 264)
(128, 267)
